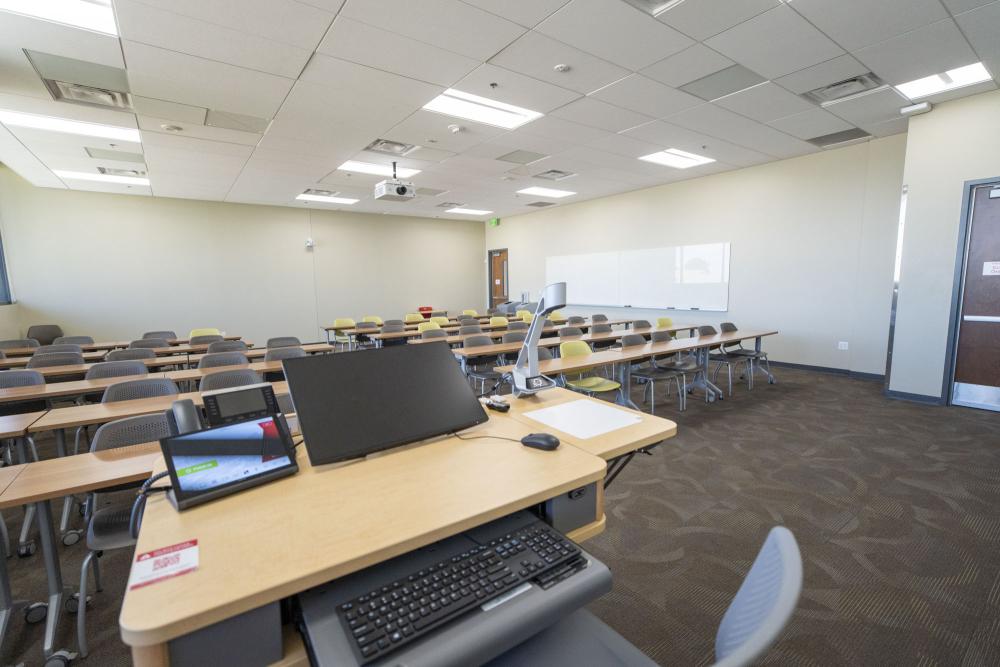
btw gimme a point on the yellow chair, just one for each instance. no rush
(340, 338)
(556, 316)
(664, 323)
(424, 326)
(372, 318)
(441, 320)
(521, 314)
(207, 331)
(470, 312)
(498, 321)
(527, 317)
(411, 318)
(587, 384)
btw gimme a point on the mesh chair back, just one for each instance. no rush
(598, 318)
(61, 347)
(131, 390)
(570, 331)
(371, 326)
(661, 336)
(283, 341)
(44, 333)
(131, 431)
(207, 339)
(466, 316)
(544, 353)
(424, 326)
(664, 322)
(279, 353)
(223, 359)
(601, 328)
(148, 343)
(229, 379)
(707, 330)
(226, 346)
(115, 369)
(393, 328)
(575, 319)
(166, 335)
(499, 321)
(515, 336)
(204, 331)
(442, 320)
(763, 604)
(574, 348)
(518, 326)
(641, 324)
(433, 333)
(388, 323)
(10, 379)
(75, 340)
(728, 327)
(18, 343)
(130, 354)
(56, 359)
(467, 329)
(477, 341)
(629, 340)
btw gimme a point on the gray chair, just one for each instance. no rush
(281, 353)
(514, 337)
(132, 390)
(641, 324)
(431, 334)
(648, 374)
(15, 343)
(480, 368)
(56, 359)
(362, 334)
(75, 340)
(751, 356)
(386, 323)
(283, 341)
(544, 353)
(166, 335)
(108, 527)
(576, 319)
(602, 329)
(148, 344)
(61, 347)
(467, 329)
(517, 325)
(44, 333)
(229, 379)
(223, 359)
(567, 332)
(131, 354)
(598, 318)
(115, 369)
(227, 346)
(22, 378)
(205, 340)
(393, 328)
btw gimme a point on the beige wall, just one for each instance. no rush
(813, 242)
(113, 266)
(958, 141)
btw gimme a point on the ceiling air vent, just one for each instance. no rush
(845, 88)
(853, 135)
(555, 174)
(522, 157)
(388, 147)
(121, 156)
(93, 96)
(135, 173)
(320, 193)
(541, 204)
(430, 192)
(449, 204)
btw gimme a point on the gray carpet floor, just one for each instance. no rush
(895, 505)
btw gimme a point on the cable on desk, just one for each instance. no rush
(480, 437)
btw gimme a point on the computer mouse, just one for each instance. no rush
(543, 441)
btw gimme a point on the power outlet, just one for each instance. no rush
(842, 345)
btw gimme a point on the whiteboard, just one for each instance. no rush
(682, 277)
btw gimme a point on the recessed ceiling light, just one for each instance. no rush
(467, 211)
(677, 159)
(377, 169)
(106, 178)
(95, 15)
(481, 109)
(546, 192)
(950, 80)
(33, 121)
(328, 200)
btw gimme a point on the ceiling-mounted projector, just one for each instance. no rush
(393, 189)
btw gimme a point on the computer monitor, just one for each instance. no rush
(354, 403)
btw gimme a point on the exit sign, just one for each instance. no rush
(494, 222)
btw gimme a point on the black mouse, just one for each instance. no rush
(543, 441)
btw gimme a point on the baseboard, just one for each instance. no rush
(829, 369)
(916, 398)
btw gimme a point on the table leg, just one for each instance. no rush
(25, 547)
(68, 501)
(57, 590)
(701, 379)
(625, 378)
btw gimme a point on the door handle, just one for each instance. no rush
(982, 318)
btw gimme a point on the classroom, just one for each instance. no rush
(499, 332)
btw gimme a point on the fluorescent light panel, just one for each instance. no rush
(328, 200)
(546, 192)
(467, 211)
(376, 169)
(481, 109)
(104, 178)
(52, 124)
(678, 159)
(95, 15)
(950, 80)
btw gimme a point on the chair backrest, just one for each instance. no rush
(641, 324)
(207, 339)
(573, 348)
(226, 346)
(661, 336)
(546, 323)
(75, 340)
(515, 336)
(707, 330)
(410, 318)
(544, 353)
(56, 359)
(14, 343)
(19, 378)
(229, 379)
(61, 347)
(498, 321)
(467, 329)
(130, 354)
(441, 320)
(204, 331)
(131, 431)
(527, 317)
(557, 315)
(366, 325)
(279, 353)
(393, 322)
(166, 335)
(764, 603)
(223, 359)
(433, 333)
(477, 341)
(372, 318)
(424, 326)
(664, 322)
(728, 327)
(148, 343)
(115, 369)
(576, 319)
(44, 333)
(630, 340)
(465, 319)
(393, 328)
(283, 341)
(518, 325)
(599, 318)
(601, 328)
(131, 390)
(521, 313)
(471, 312)
(570, 331)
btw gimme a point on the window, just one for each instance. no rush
(4, 282)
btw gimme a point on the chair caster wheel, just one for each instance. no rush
(60, 658)
(73, 603)
(71, 537)
(36, 612)
(26, 549)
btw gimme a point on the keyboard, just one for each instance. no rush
(388, 617)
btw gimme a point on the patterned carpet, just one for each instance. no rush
(896, 507)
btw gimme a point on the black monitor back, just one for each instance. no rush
(354, 403)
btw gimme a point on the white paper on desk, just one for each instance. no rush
(584, 419)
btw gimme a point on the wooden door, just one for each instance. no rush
(498, 277)
(977, 358)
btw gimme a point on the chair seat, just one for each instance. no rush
(594, 384)
(109, 529)
(648, 373)
(750, 354)
(684, 366)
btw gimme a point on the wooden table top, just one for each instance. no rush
(99, 345)
(13, 426)
(80, 369)
(410, 326)
(59, 389)
(7, 476)
(20, 362)
(549, 341)
(198, 373)
(260, 352)
(487, 329)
